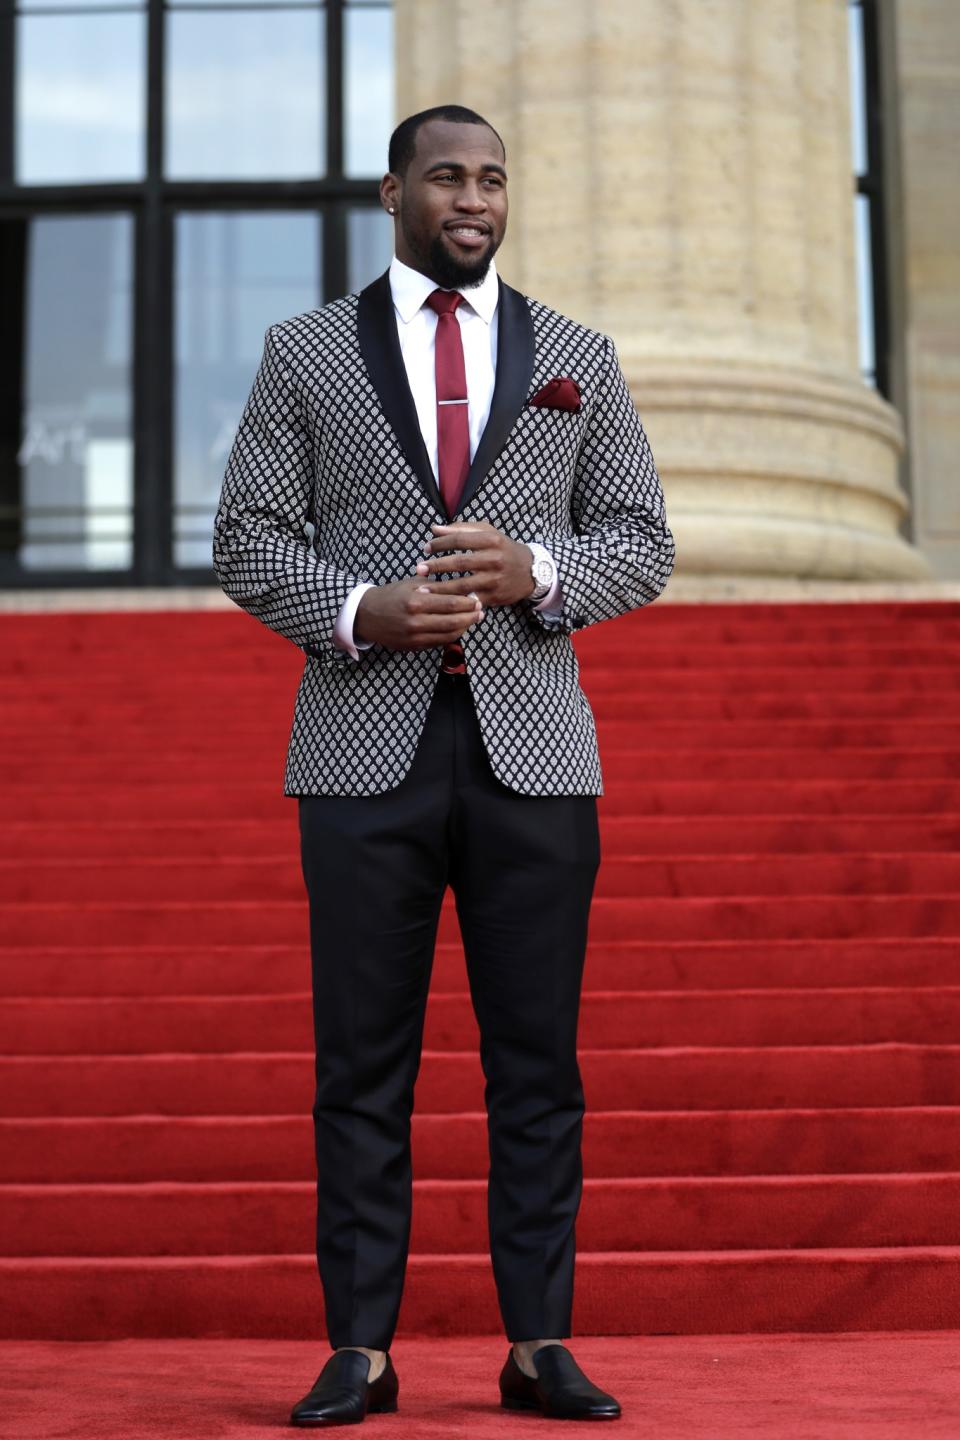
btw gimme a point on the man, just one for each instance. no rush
(479, 486)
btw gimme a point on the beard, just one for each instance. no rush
(453, 274)
(450, 272)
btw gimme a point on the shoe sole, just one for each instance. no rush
(507, 1402)
(329, 1424)
(325, 1424)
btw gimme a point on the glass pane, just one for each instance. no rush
(239, 4)
(236, 274)
(369, 245)
(80, 98)
(68, 490)
(368, 89)
(245, 94)
(79, 4)
(865, 299)
(858, 89)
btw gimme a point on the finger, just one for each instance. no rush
(441, 633)
(461, 585)
(442, 601)
(440, 564)
(471, 537)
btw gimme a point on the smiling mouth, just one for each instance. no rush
(468, 234)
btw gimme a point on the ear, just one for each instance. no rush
(390, 193)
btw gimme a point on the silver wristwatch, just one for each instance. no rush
(543, 571)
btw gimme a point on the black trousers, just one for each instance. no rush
(522, 870)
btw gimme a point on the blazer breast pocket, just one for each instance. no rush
(553, 425)
(559, 431)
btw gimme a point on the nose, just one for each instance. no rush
(471, 199)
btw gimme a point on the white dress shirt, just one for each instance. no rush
(417, 329)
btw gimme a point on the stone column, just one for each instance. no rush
(924, 50)
(681, 178)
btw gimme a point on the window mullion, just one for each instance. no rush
(153, 336)
(334, 86)
(7, 32)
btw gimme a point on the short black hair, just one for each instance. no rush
(403, 141)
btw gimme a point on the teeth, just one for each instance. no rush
(466, 230)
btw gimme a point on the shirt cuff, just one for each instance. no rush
(553, 600)
(343, 638)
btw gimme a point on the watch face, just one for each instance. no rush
(543, 571)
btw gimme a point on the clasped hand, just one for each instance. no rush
(413, 615)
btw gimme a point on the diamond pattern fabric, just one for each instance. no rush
(314, 448)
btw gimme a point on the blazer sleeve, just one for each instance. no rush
(622, 551)
(262, 556)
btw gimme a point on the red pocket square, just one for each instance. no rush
(561, 393)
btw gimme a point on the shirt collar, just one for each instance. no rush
(410, 289)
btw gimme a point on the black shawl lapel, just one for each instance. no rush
(380, 348)
(515, 356)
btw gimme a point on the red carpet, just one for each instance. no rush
(771, 1025)
(783, 1387)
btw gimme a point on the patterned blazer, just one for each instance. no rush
(328, 483)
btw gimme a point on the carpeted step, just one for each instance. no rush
(251, 737)
(828, 917)
(636, 964)
(72, 631)
(211, 840)
(665, 1292)
(847, 647)
(625, 1143)
(278, 877)
(676, 1078)
(753, 646)
(62, 715)
(651, 795)
(724, 677)
(677, 764)
(676, 636)
(450, 1216)
(609, 1020)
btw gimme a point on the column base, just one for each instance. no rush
(776, 471)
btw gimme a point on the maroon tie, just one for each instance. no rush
(453, 424)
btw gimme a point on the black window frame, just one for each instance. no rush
(154, 203)
(871, 184)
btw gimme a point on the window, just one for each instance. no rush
(236, 273)
(68, 473)
(175, 176)
(80, 75)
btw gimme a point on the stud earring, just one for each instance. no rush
(391, 209)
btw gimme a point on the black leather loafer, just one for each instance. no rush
(560, 1391)
(342, 1394)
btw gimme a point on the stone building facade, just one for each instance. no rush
(681, 178)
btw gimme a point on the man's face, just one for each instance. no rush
(451, 204)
